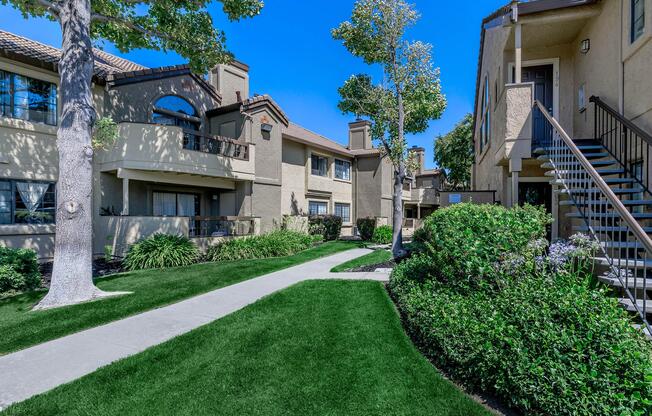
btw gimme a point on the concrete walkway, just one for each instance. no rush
(42, 367)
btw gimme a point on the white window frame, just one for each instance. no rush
(349, 169)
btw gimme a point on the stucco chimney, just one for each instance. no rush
(231, 81)
(360, 135)
(420, 155)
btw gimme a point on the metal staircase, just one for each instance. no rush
(604, 184)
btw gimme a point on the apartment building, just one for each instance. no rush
(196, 155)
(563, 118)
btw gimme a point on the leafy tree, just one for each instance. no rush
(184, 26)
(454, 153)
(406, 99)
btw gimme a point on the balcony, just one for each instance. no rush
(424, 196)
(152, 147)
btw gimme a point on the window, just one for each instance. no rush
(171, 110)
(23, 202)
(27, 98)
(317, 208)
(343, 211)
(170, 204)
(638, 19)
(343, 170)
(319, 165)
(485, 127)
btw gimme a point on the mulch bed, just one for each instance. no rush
(100, 268)
(372, 267)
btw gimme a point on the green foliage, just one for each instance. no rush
(275, 244)
(366, 227)
(410, 94)
(454, 153)
(542, 337)
(19, 270)
(328, 226)
(465, 240)
(382, 235)
(184, 26)
(160, 251)
(105, 133)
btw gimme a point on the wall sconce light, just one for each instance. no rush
(266, 128)
(585, 46)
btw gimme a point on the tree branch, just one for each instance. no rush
(51, 7)
(98, 17)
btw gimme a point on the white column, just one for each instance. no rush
(515, 176)
(125, 196)
(554, 235)
(517, 53)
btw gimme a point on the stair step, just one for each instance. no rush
(628, 202)
(624, 263)
(607, 162)
(644, 330)
(611, 181)
(622, 244)
(636, 215)
(541, 150)
(602, 172)
(615, 191)
(631, 283)
(645, 307)
(606, 229)
(596, 155)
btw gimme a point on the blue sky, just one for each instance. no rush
(293, 58)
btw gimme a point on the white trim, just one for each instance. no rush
(534, 179)
(555, 78)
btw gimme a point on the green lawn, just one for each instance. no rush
(375, 257)
(20, 327)
(317, 348)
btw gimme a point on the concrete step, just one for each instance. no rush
(617, 191)
(644, 306)
(609, 181)
(562, 165)
(603, 229)
(644, 329)
(622, 244)
(631, 283)
(636, 215)
(624, 263)
(629, 202)
(544, 150)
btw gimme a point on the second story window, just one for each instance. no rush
(342, 170)
(27, 98)
(638, 19)
(318, 165)
(171, 110)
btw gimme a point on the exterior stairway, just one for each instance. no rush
(607, 199)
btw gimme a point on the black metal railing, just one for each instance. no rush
(626, 142)
(222, 226)
(193, 140)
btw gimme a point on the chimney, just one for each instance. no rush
(360, 135)
(420, 156)
(231, 81)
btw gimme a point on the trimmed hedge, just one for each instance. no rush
(382, 235)
(275, 244)
(538, 334)
(161, 250)
(465, 240)
(366, 227)
(328, 226)
(19, 270)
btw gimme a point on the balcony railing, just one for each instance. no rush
(222, 226)
(193, 140)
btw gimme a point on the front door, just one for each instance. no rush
(542, 77)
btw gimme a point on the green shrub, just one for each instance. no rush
(275, 244)
(465, 240)
(382, 235)
(329, 226)
(23, 262)
(10, 279)
(542, 337)
(366, 227)
(161, 250)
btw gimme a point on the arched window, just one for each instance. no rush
(171, 110)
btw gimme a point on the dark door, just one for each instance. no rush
(541, 76)
(535, 193)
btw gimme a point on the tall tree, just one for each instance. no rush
(409, 94)
(454, 153)
(184, 26)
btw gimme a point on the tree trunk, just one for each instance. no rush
(72, 278)
(399, 177)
